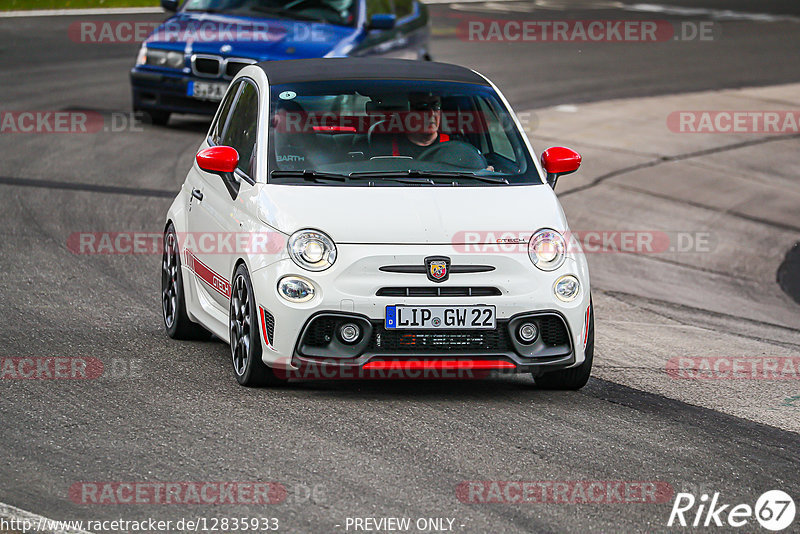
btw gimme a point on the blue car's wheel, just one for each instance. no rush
(159, 118)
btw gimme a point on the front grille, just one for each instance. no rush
(320, 333)
(207, 66)
(320, 339)
(553, 330)
(438, 291)
(420, 269)
(233, 66)
(473, 341)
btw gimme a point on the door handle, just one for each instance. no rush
(196, 193)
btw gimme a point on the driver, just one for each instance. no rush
(421, 129)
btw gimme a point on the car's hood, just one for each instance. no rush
(253, 38)
(433, 215)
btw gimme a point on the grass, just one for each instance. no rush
(13, 5)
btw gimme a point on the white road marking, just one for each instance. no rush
(429, 2)
(566, 108)
(567, 5)
(82, 12)
(149, 10)
(715, 14)
(40, 524)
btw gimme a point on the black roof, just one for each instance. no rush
(311, 70)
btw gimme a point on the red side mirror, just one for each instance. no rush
(218, 159)
(560, 160)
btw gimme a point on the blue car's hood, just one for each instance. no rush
(247, 37)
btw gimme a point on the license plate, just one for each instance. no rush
(440, 317)
(207, 90)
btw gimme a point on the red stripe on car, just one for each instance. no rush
(208, 275)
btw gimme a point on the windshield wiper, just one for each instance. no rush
(489, 179)
(410, 173)
(413, 173)
(412, 181)
(310, 176)
(207, 10)
(286, 13)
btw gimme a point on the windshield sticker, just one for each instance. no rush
(287, 95)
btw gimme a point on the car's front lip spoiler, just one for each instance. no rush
(427, 360)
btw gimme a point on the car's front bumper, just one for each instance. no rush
(161, 91)
(347, 291)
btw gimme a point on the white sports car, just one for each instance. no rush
(368, 214)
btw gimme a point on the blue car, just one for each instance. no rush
(185, 65)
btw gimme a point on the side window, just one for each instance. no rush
(375, 7)
(403, 8)
(241, 130)
(219, 125)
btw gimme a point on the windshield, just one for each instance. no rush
(390, 132)
(341, 12)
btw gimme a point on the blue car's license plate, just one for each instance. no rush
(206, 90)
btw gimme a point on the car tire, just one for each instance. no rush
(245, 334)
(173, 298)
(574, 378)
(156, 117)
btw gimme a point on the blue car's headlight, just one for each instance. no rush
(160, 58)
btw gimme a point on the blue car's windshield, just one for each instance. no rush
(341, 12)
(400, 131)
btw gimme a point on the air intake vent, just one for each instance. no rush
(269, 325)
(438, 291)
(553, 330)
(474, 341)
(206, 65)
(233, 66)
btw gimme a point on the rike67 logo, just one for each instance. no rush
(774, 510)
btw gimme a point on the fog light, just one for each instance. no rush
(567, 288)
(296, 289)
(349, 332)
(527, 333)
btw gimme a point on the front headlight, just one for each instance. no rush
(547, 249)
(141, 59)
(160, 58)
(296, 289)
(312, 250)
(567, 288)
(175, 60)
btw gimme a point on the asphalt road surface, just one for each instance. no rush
(171, 411)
